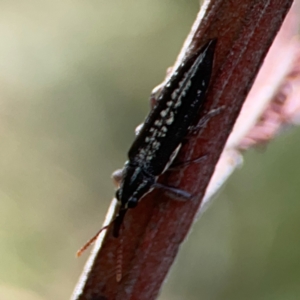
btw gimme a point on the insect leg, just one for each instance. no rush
(117, 177)
(153, 99)
(174, 192)
(138, 129)
(156, 91)
(179, 165)
(193, 130)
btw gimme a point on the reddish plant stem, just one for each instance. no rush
(155, 229)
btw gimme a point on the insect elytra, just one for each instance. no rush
(157, 142)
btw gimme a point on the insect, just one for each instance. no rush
(159, 138)
(158, 141)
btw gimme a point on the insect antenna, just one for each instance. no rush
(93, 239)
(117, 222)
(119, 260)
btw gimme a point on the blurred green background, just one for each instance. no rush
(75, 80)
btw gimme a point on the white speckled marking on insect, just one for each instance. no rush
(168, 114)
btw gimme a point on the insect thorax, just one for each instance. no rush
(136, 183)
